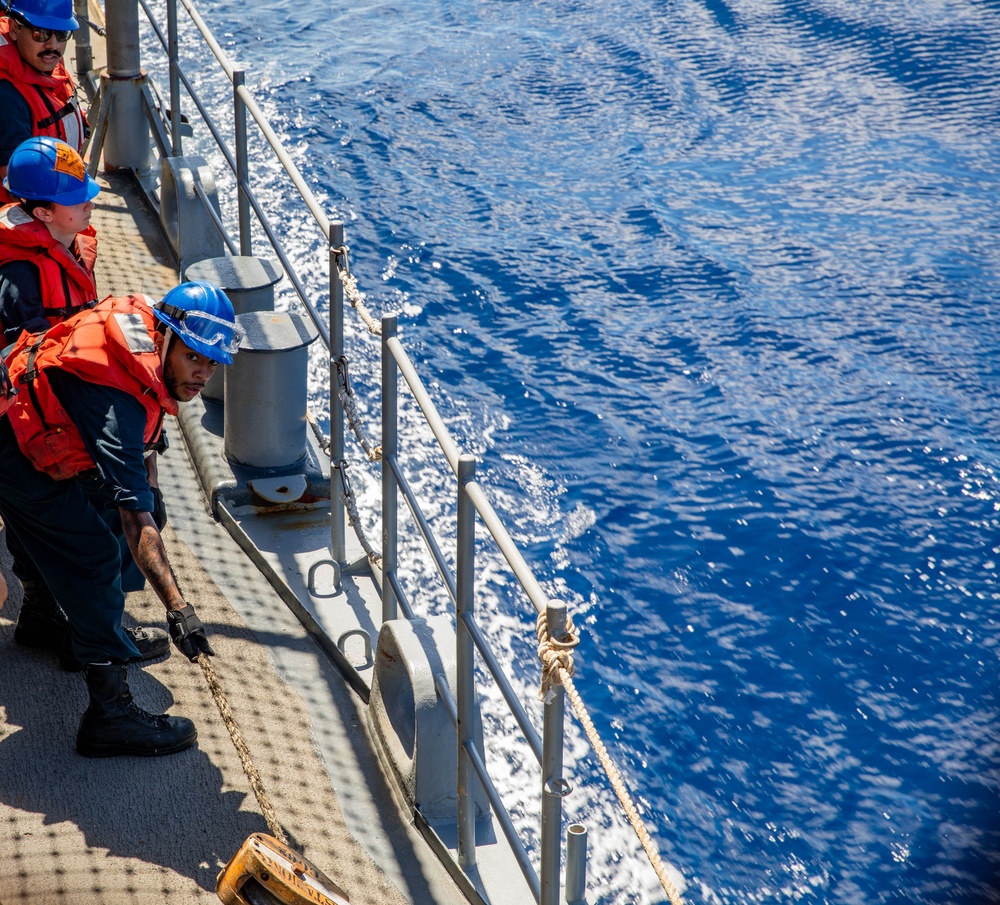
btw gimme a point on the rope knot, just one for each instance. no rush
(556, 655)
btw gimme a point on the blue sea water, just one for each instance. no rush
(709, 286)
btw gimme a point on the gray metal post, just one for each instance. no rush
(337, 522)
(175, 79)
(81, 40)
(576, 865)
(465, 666)
(390, 449)
(242, 170)
(554, 787)
(126, 145)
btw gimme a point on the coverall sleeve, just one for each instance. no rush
(112, 424)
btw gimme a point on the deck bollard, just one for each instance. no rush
(249, 284)
(266, 391)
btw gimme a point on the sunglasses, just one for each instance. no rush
(42, 35)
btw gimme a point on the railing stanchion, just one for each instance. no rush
(576, 865)
(338, 543)
(390, 449)
(242, 168)
(465, 661)
(126, 142)
(174, 78)
(81, 41)
(554, 787)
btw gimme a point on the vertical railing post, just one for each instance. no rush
(242, 170)
(465, 692)
(576, 865)
(390, 450)
(338, 543)
(81, 40)
(126, 143)
(554, 787)
(176, 142)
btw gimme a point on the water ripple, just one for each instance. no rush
(711, 283)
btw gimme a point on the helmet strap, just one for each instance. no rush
(167, 336)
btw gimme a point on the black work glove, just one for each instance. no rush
(188, 633)
(159, 510)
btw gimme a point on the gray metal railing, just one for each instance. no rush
(472, 503)
(472, 500)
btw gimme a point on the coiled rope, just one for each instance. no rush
(558, 669)
(256, 783)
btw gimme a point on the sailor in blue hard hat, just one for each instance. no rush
(201, 315)
(76, 488)
(37, 93)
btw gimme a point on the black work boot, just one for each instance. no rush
(152, 644)
(41, 622)
(114, 724)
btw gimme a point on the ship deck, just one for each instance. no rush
(143, 830)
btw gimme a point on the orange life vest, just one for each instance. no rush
(55, 110)
(66, 279)
(111, 345)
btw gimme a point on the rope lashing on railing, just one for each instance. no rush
(555, 654)
(558, 669)
(256, 784)
(351, 291)
(348, 400)
(324, 440)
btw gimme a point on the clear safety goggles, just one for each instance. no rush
(206, 328)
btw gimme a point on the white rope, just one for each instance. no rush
(256, 783)
(356, 297)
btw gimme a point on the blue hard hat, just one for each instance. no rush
(54, 14)
(47, 169)
(201, 314)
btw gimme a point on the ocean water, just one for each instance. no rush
(709, 288)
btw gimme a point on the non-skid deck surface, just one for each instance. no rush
(123, 830)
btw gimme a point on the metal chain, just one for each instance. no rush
(347, 496)
(557, 668)
(348, 400)
(354, 295)
(354, 518)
